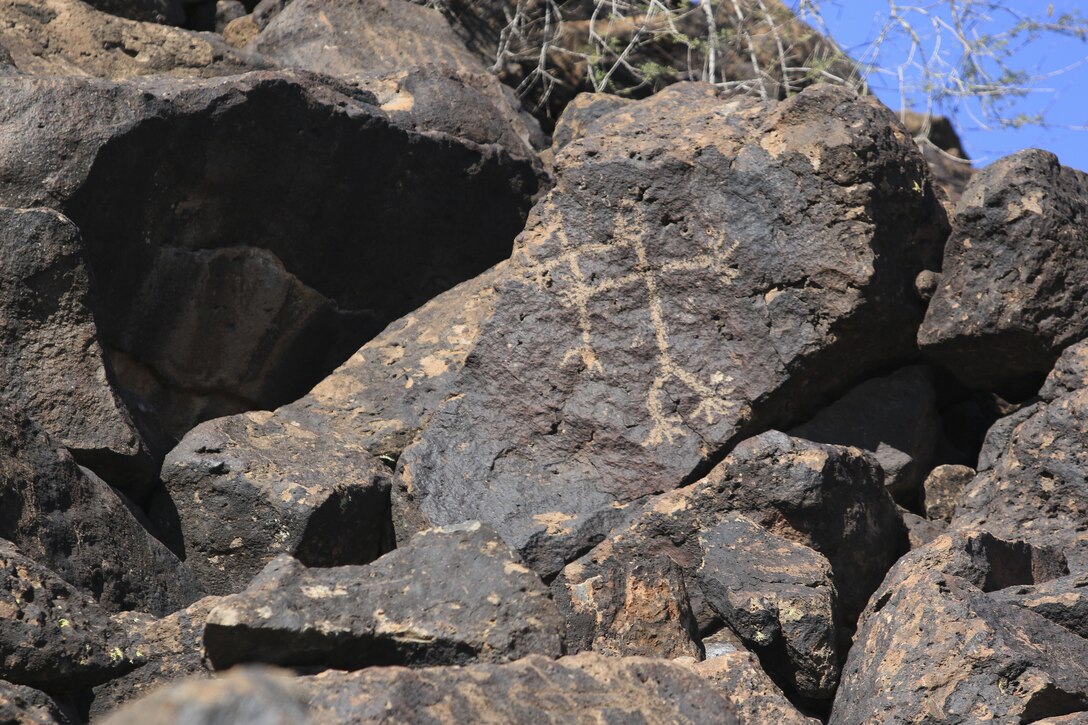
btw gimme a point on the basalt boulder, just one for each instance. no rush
(1034, 485)
(428, 77)
(894, 417)
(22, 705)
(1063, 601)
(53, 636)
(1009, 298)
(738, 676)
(68, 37)
(783, 542)
(935, 646)
(79, 527)
(168, 649)
(52, 367)
(704, 269)
(251, 487)
(452, 596)
(229, 278)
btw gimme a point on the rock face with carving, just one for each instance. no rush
(703, 269)
(332, 390)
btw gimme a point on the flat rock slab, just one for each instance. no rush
(1035, 484)
(254, 486)
(1008, 301)
(934, 646)
(80, 528)
(582, 689)
(703, 268)
(452, 596)
(51, 635)
(246, 276)
(52, 366)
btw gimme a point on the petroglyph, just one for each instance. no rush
(668, 426)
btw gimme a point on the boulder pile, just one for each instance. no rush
(333, 391)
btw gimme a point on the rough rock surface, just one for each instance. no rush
(935, 647)
(452, 596)
(822, 497)
(582, 690)
(271, 314)
(250, 487)
(1035, 488)
(67, 37)
(1009, 300)
(51, 635)
(772, 589)
(755, 698)
(1063, 601)
(386, 392)
(894, 417)
(80, 528)
(170, 648)
(243, 695)
(942, 488)
(51, 364)
(433, 79)
(669, 296)
(21, 705)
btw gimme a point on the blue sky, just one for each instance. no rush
(854, 23)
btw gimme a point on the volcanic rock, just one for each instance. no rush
(755, 698)
(772, 589)
(893, 417)
(1035, 488)
(170, 648)
(1063, 601)
(80, 528)
(942, 488)
(386, 392)
(51, 635)
(452, 596)
(224, 282)
(67, 37)
(933, 646)
(250, 487)
(433, 81)
(21, 705)
(51, 364)
(1009, 298)
(703, 268)
(585, 688)
(243, 695)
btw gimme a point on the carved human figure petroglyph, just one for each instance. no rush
(578, 291)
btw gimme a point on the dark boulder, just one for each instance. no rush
(253, 486)
(51, 364)
(169, 649)
(452, 596)
(22, 705)
(80, 528)
(704, 269)
(52, 636)
(894, 417)
(1033, 484)
(933, 646)
(186, 216)
(942, 488)
(1009, 299)
(67, 37)
(433, 81)
(737, 675)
